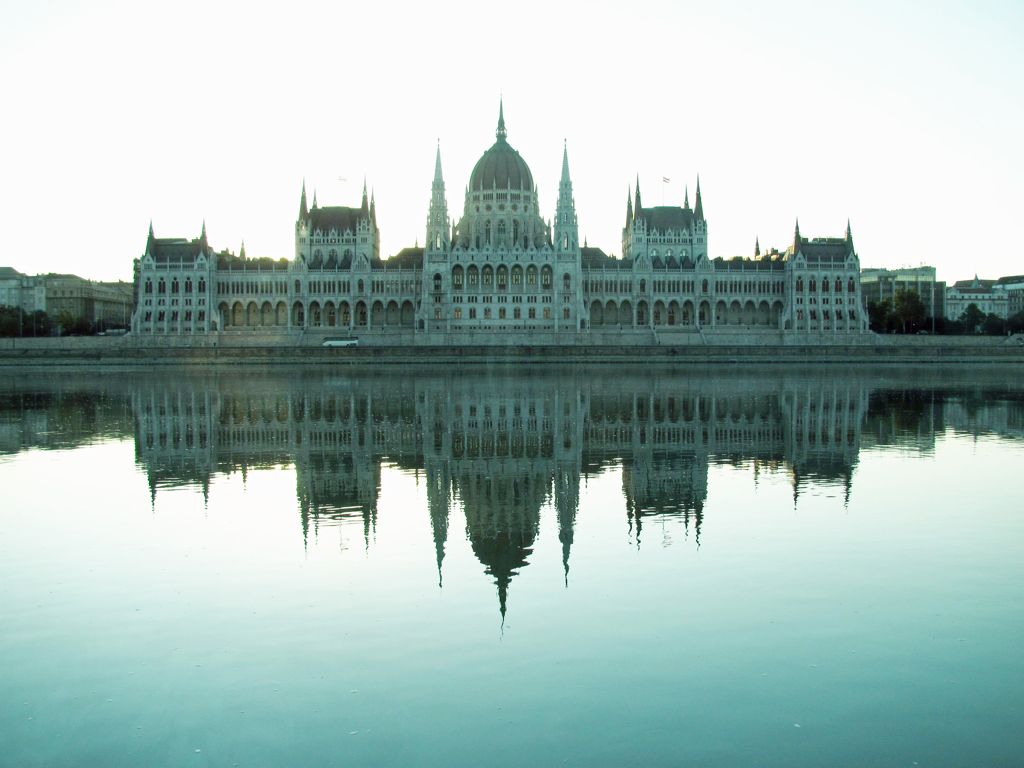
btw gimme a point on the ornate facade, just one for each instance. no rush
(501, 274)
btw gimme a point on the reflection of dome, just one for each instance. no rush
(501, 167)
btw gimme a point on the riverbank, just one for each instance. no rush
(239, 350)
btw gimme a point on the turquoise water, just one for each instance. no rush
(512, 567)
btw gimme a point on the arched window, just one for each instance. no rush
(298, 286)
(643, 286)
(161, 287)
(487, 233)
(457, 277)
(824, 285)
(814, 285)
(849, 286)
(839, 285)
(515, 233)
(437, 282)
(501, 233)
(799, 285)
(545, 277)
(149, 286)
(502, 277)
(531, 275)
(566, 282)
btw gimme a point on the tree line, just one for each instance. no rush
(906, 313)
(16, 322)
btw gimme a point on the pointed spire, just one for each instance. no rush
(686, 197)
(202, 236)
(757, 246)
(565, 162)
(796, 236)
(241, 251)
(438, 178)
(698, 207)
(629, 207)
(373, 208)
(501, 133)
(314, 199)
(150, 229)
(849, 237)
(303, 210)
(365, 203)
(637, 206)
(150, 245)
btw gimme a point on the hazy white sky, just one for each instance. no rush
(905, 117)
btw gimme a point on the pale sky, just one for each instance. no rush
(905, 118)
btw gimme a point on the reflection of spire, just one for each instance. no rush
(502, 521)
(567, 497)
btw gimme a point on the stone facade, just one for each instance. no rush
(501, 274)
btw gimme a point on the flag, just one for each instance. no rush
(666, 179)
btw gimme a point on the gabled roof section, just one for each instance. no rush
(666, 217)
(174, 250)
(339, 218)
(828, 249)
(407, 258)
(595, 258)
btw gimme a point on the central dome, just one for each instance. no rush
(501, 167)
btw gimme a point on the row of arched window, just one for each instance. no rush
(812, 285)
(161, 285)
(473, 278)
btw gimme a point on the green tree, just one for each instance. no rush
(1016, 323)
(993, 325)
(971, 318)
(879, 315)
(909, 310)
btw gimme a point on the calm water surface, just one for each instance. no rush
(512, 567)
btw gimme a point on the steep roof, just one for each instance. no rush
(665, 217)
(9, 273)
(834, 249)
(174, 249)
(592, 258)
(407, 257)
(337, 217)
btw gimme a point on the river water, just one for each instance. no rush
(512, 566)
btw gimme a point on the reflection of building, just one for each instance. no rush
(500, 273)
(503, 448)
(507, 449)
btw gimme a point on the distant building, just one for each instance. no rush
(22, 291)
(880, 284)
(501, 273)
(106, 305)
(989, 296)
(1014, 287)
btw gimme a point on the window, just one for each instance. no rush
(458, 313)
(533, 313)
(501, 313)
(517, 313)
(566, 282)
(565, 313)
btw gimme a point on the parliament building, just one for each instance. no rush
(501, 274)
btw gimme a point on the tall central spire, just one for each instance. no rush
(501, 133)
